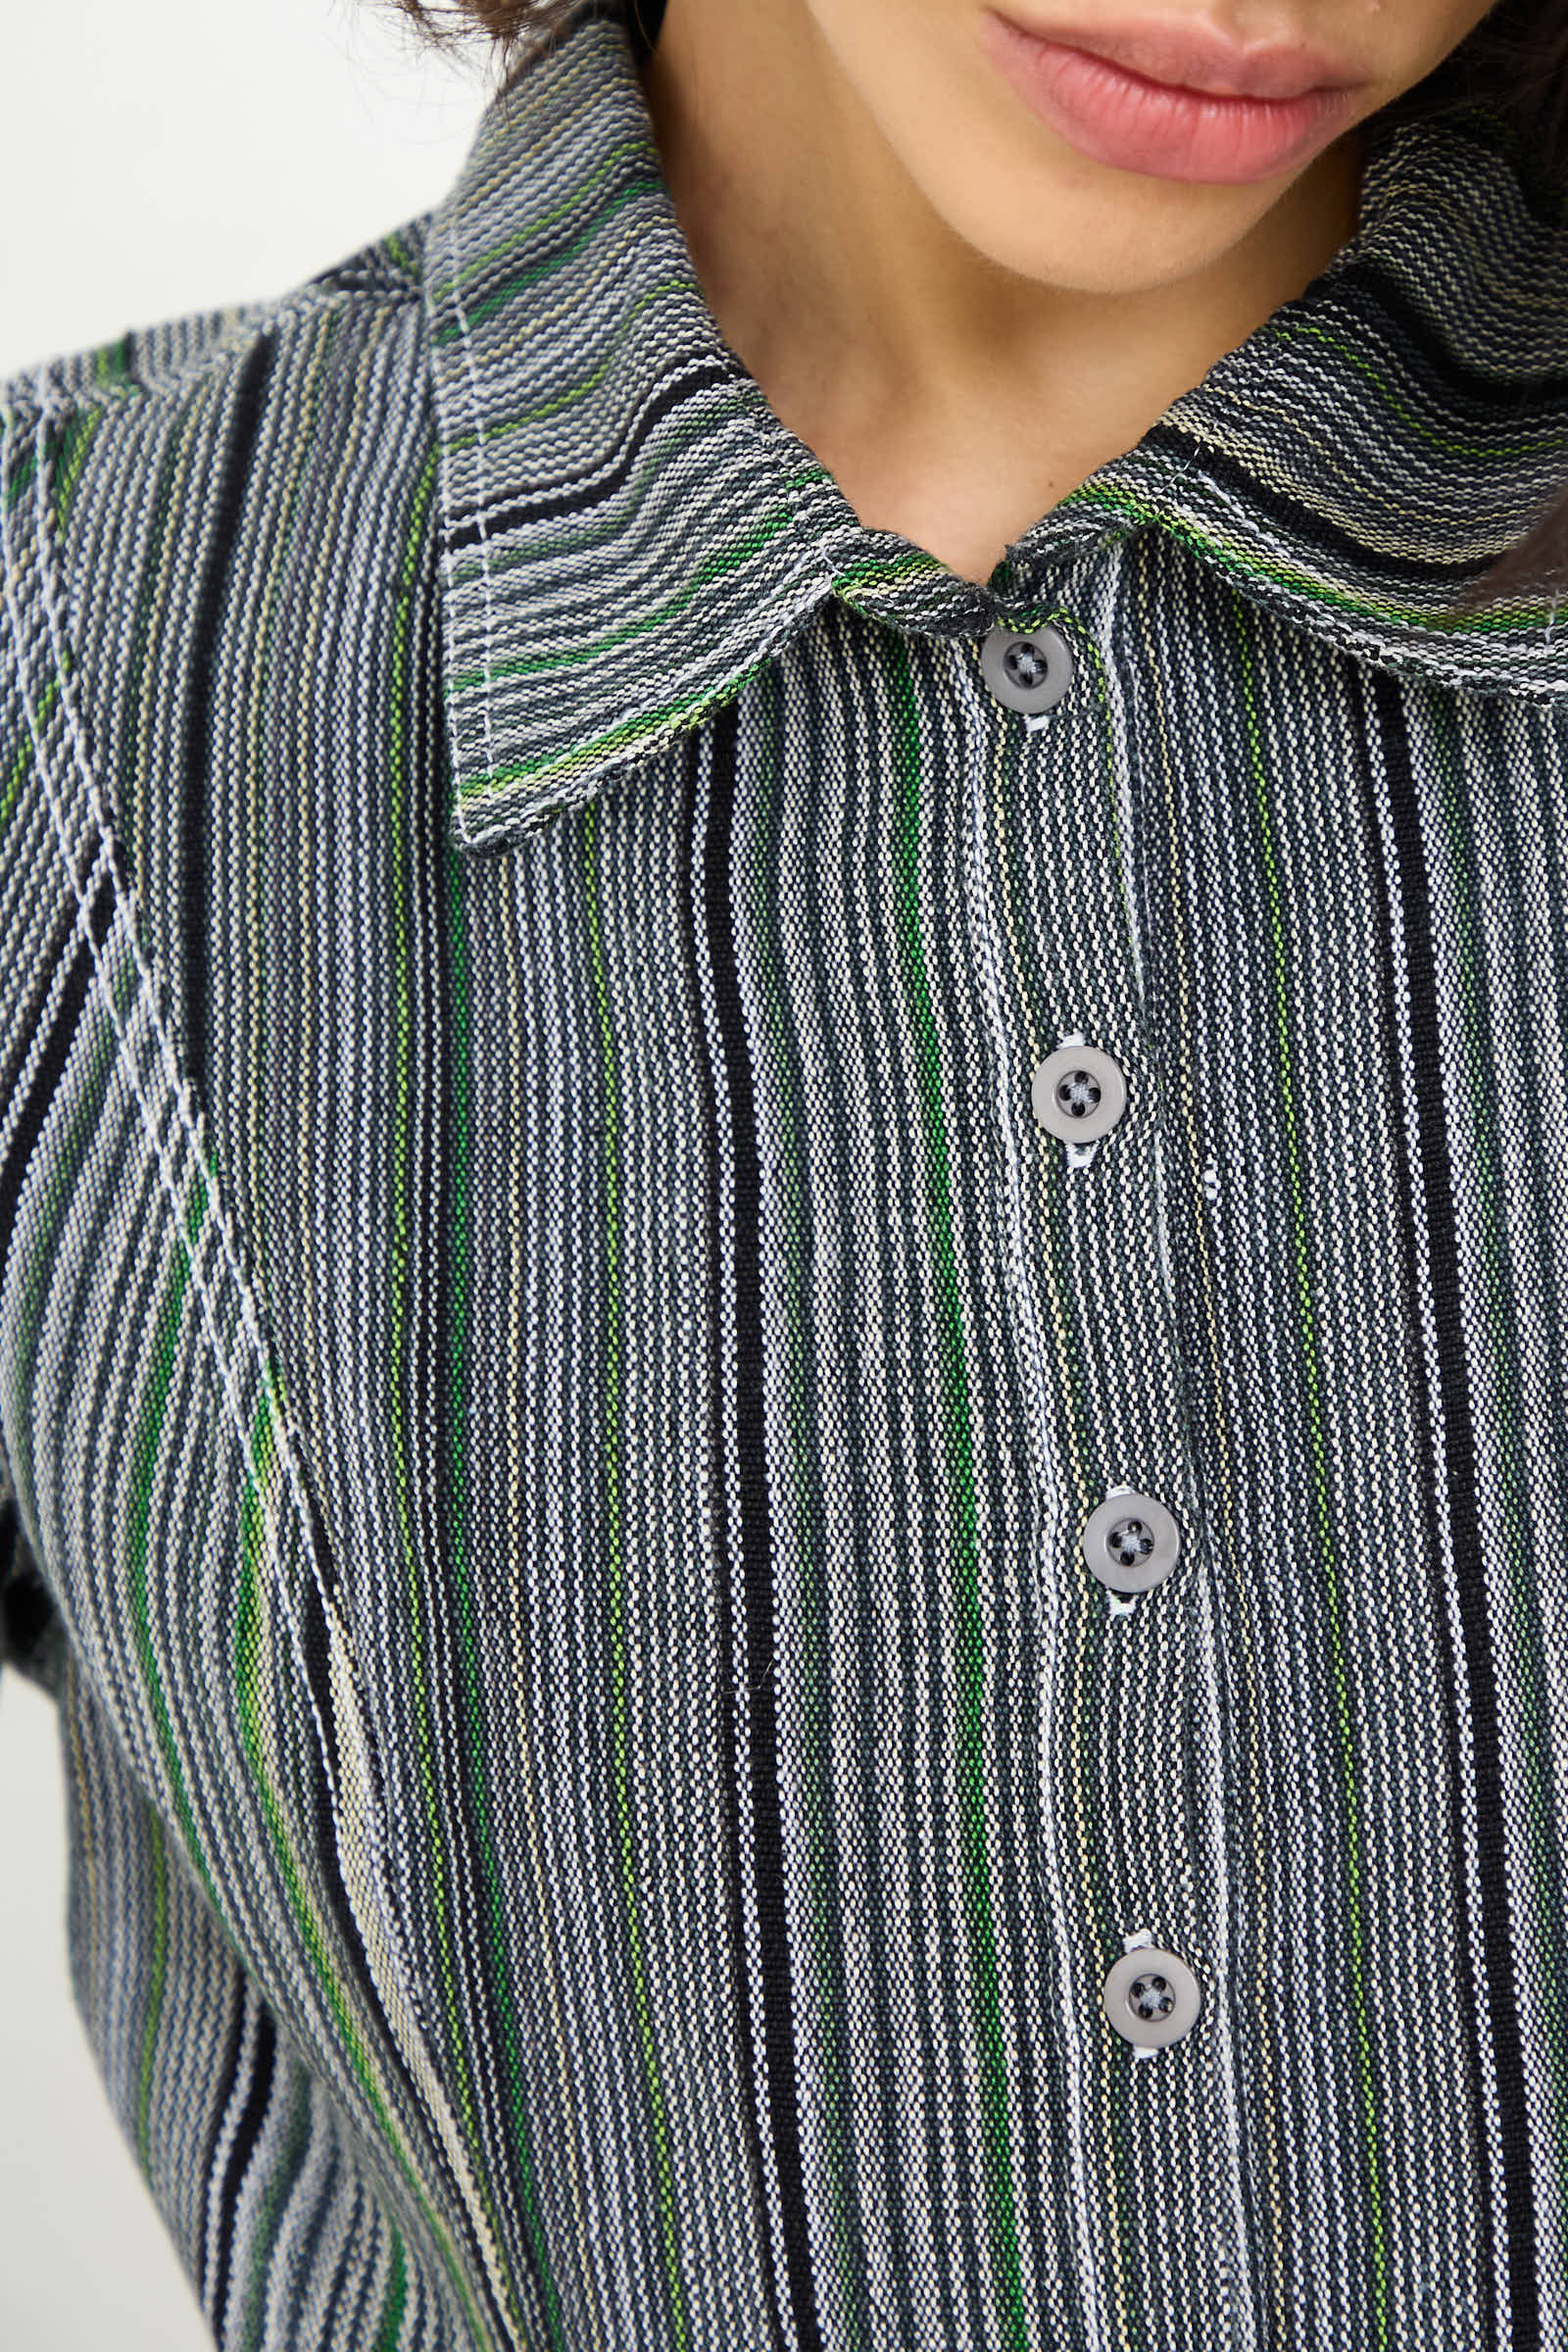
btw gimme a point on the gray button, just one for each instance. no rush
(1151, 1997)
(1028, 669)
(1131, 1541)
(1078, 1092)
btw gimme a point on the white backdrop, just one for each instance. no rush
(158, 157)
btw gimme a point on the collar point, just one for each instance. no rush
(491, 809)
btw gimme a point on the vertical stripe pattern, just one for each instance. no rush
(550, 1380)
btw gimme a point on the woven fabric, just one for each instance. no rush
(550, 1380)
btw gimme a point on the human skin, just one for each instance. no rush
(957, 310)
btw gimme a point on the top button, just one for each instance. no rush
(1028, 671)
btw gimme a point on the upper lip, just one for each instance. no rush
(1198, 56)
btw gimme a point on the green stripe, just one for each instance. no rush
(397, 2296)
(728, 559)
(958, 1438)
(27, 464)
(147, 1450)
(498, 429)
(447, 330)
(1547, 445)
(69, 460)
(613, 1340)
(1112, 496)
(20, 768)
(1322, 1499)
(453, 1524)
(690, 711)
(111, 365)
(582, 182)
(887, 573)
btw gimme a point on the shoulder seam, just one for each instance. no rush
(20, 398)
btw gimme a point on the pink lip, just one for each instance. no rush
(1248, 116)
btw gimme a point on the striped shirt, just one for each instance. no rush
(784, 1342)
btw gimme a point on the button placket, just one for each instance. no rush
(1113, 1575)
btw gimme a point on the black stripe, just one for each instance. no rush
(467, 528)
(249, 2132)
(1510, 399)
(303, 2273)
(56, 1051)
(1421, 1402)
(199, 722)
(46, 967)
(233, 2045)
(1305, 527)
(756, 1548)
(740, 1990)
(1460, 1486)
(1528, 155)
(371, 271)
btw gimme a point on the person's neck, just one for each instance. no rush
(890, 345)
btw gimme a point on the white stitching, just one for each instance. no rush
(126, 1060)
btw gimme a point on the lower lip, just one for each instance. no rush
(1116, 117)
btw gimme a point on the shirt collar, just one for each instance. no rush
(629, 531)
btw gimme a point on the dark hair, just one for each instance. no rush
(1513, 65)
